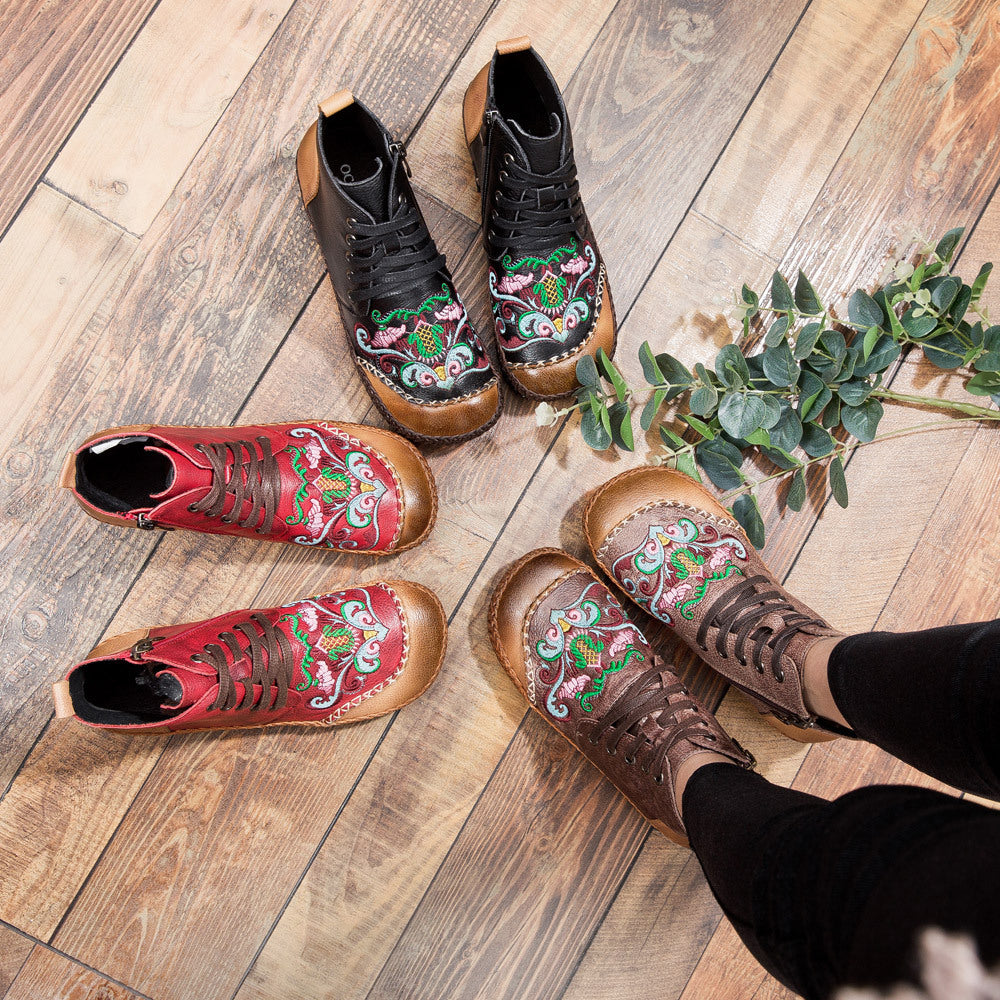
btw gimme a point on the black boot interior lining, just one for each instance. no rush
(123, 477)
(120, 693)
(350, 144)
(524, 93)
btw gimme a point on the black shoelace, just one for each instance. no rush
(386, 258)
(742, 611)
(535, 211)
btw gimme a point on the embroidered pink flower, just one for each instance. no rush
(720, 557)
(676, 594)
(511, 284)
(324, 678)
(388, 336)
(451, 313)
(313, 453)
(315, 517)
(574, 684)
(618, 644)
(575, 265)
(308, 617)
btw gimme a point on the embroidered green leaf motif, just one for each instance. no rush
(550, 289)
(428, 339)
(597, 684)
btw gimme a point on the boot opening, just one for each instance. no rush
(121, 475)
(122, 693)
(525, 93)
(349, 142)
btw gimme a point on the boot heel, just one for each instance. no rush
(797, 733)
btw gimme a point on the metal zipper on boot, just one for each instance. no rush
(145, 645)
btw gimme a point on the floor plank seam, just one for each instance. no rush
(83, 112)
(45, 182)
(715, 162)
(96, 972)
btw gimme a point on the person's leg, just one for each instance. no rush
(826, 894)
(930, 698)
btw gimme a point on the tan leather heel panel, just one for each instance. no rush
(307, 165)
(442, 420)
(509, 45)
(67, 477)
(513, 597)
(335, 102)
(559, 378)
(118, 643)
(427, 640)
(627, 492)
(474, 104)
(420, 497)
(62, 701)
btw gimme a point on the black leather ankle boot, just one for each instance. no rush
(549, 289)
(416, 351)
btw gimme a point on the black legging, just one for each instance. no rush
(827, 894)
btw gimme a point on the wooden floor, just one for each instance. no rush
(156, 265)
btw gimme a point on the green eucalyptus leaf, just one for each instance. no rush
(704, 400)
(805, 297)
(831, 414)
(670, 439)
(651, 408)
(740, 414)
(747, 512)
(650, 369)
(961, 304)
(780, 458)
(603, 414)
(751, 298)
(686, 464)
(612, 373)
(816, 442)
(699, 425)
(796, 491)
(776, 332)
(721, 462)
(834, 344)
(862, 421)
(675, 373)
(593, 431)
(781, 295)
(946, 351)
(731, 366)
(838, 483)
(863, 311)
(787, 431)
(620, 415)
(855, 392)
(944, 293)
(806, 340)
(984, 384)
(980, 283)
(883, 354)
(760, 438)
(918, 326)
(780, 366)
(586, 372)
(869, 342)
(814, 394)
(946, 245)
(772, 411)
(703, 373)
(849, 363)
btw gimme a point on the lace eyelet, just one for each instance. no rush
(508, 158)
(658, 779)
(350, 222)
(742, 662)
(612, 752)
(351, 239)
(628, 760)
(192, 509)
(712, 737)
(780, 676)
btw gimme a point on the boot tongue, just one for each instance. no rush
(372, 193)
(185, 475)
(181, 686)
(544, 153)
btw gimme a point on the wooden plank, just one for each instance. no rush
(57, 262)
(134, 142)
(14, 951)
(55, 977)
(438, 151)
(224, 250)
(55, 59)
(786, 146)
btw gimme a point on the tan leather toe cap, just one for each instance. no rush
(512, 600)
(427, 640)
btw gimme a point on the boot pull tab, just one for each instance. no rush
(335, 102)
(509, 45)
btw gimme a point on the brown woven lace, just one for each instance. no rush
(271, 665)
(741, 610)
(650, 696)
(251, 477)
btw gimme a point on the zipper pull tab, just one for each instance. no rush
(144, 646)
(399, 150)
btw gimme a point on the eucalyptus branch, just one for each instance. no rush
(814, 389)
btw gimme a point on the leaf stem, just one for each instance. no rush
(935, 403)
